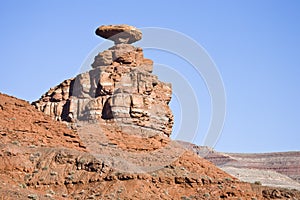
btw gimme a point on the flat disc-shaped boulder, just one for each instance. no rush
(119, 33)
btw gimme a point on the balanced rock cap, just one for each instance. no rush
(119, 33)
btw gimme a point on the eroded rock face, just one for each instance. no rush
(120, 87)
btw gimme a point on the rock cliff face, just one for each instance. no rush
(119, 88)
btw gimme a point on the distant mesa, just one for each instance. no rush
(120, 34)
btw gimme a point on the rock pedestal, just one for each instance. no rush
(120, 88)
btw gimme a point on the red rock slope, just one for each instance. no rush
(43, 159)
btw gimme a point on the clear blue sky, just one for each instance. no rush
(255, 44)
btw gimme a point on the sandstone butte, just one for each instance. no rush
(50, 149)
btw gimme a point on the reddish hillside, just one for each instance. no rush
(43, 159)
(20, 123)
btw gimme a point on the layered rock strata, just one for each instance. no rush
(120, 87)
(280, 169)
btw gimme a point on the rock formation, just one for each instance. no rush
(120, 87)
(119, 33)
(126, 109)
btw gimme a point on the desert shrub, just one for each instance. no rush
(257, 183)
